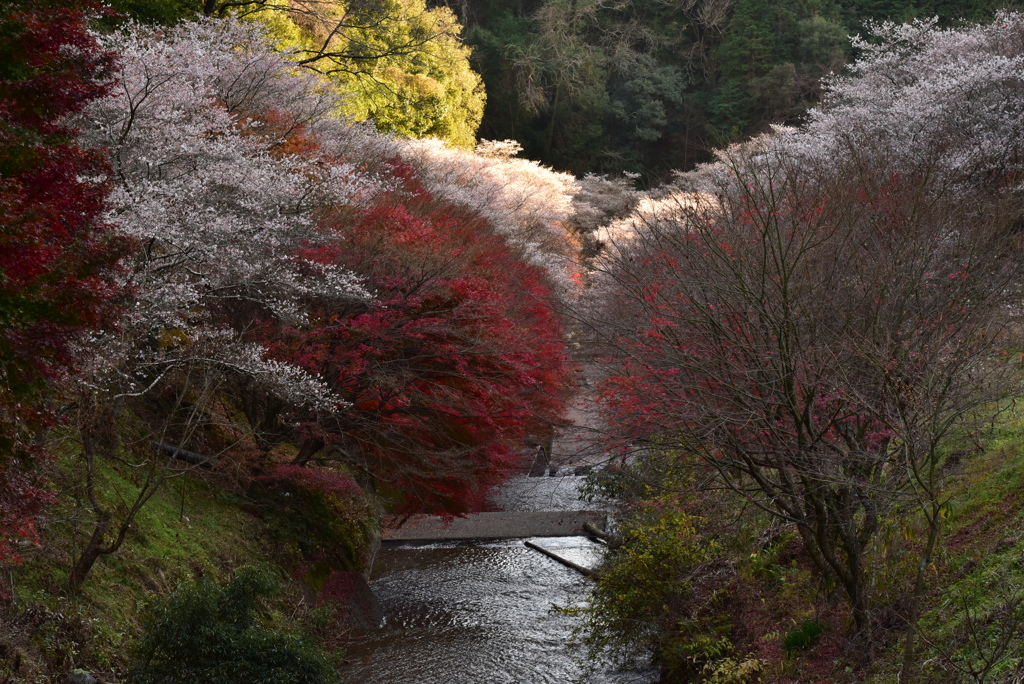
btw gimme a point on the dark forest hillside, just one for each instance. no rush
(648, 86)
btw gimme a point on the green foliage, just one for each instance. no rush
(977, 631)
(764, 565)
(188, 528)
(770, 60)
(733, 671)
(205, 633)
(856, 13)
(164, 12)
(427, 92)
(647, 86)
(974, 628)
(645, 601)
(398, 63)
(803, 636)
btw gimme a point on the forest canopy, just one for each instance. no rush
(651, 86)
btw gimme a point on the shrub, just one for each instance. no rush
(803, 637)
(208, 634)
(324, 513)
(648, 598)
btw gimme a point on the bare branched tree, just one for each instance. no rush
(815, 339)
(137, 436)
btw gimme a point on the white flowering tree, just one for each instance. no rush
(530, 204)
(286, 261)
(199, 129)
(217, 179)
(924, 99)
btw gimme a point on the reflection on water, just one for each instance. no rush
(543, 494)
(480, 612)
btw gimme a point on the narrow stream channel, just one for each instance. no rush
(481, 612)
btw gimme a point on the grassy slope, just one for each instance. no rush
(979, 569)
(978, 575)
(189, 528)
(977, 578)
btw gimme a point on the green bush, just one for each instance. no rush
(208, 634)
(645, 601)
(801, 638)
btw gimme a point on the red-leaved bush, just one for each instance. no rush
(327, 482)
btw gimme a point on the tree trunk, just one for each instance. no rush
(307, 450)
(910, 644)
(551, 124)
(93, 550)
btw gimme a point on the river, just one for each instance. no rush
(481, 612)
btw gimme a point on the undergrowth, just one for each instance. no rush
(191, 530)
(774, 620)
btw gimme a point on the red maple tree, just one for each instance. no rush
(457, 359)
(56, 254)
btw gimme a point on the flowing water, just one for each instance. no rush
(481, 612)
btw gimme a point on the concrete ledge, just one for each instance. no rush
(498, 525)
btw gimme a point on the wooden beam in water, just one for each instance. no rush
(564, 561)
(598, 534)
(494, 525)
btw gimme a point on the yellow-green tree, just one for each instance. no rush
(401, 64)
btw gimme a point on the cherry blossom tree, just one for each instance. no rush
(944, 101)
(292, 266)
(529, 204)
(217, 178)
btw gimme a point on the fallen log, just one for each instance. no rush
(613, 541)
(564, 561)
(182, 455)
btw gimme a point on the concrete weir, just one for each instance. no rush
(496, 525)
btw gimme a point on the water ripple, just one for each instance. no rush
(481, 613)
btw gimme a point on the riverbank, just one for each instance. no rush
(195, 527)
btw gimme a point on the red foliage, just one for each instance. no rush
(53, 249)
(705, 352)
(458, 358)
(55, 253)
(321, 481)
